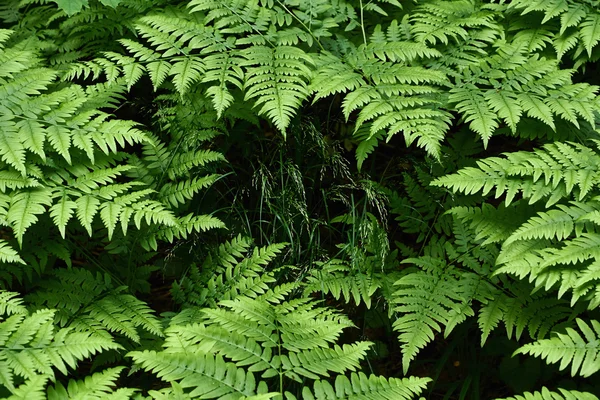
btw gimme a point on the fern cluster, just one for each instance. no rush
(407, 76)
(118, 116)
(550, 195)
(260, 341)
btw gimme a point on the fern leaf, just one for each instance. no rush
(424, 301)
(242, 350)
(209, 376)
(95, 387)
(536, 108)
(590, 32)
(368, 387)
(570, 348)
(333, 76)
(565, 43)
(60, 139)
(552, 224)
(506, 106)
(24, 208)
(158, 71)
(61, 212)
(32, 389)
(87, 207)
(186, 71)
(489, 316)
(224, 69)
(545, 394)
(32, 135)
(277, 79)
(480, 116)
(29, 347)
(9, 255)
(12, 151)
(319, 361)
(71, 7)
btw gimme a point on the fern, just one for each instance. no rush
(563, 171)
(368, 387)
(431, 298)
(561, 394)
(71, 150)
(30, 346)
(256, 334)
(96, 386)
(276, 78)
(228, 274)
(94, 305)
(366, 271)
(578, 23)
(570, 348)
(288, 339)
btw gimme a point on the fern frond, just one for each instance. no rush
(94, 387)
(551, 173)
(186, 71)
(9, 255)
(32, 389)
(94, 305)
(553, 224)
(561, 394)
(367, 387)
(224, 68)
(208, 375)
(570, 348)
(278, 80)
(340, 280)
(24, 208)
(30, 347)
(478, 113)
(11, 304)
(425, 300)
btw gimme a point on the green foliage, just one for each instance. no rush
(227, 275)
(97, 386)
(551, 240)
(261, 342)
(94, 305)
(546, 394)
(118, 116)
(570, 348)
(31, 347)
(367, 270)
(74, 6)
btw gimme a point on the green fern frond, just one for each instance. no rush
(208, 375)
(551, 173)
(478, 113)
(32, 389)
(555, 223)
(30, 347)
(277, 78)
(367, 387)
(338, 278)
(8, 254)
(94, 305)
(11, 304)
(94, 387)
(180, 193)
(224, 68)
(228, 274)
(570, 348)
(425, 301)
(24, 208)
(561, 394)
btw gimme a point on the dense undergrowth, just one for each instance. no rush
(280, 199)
